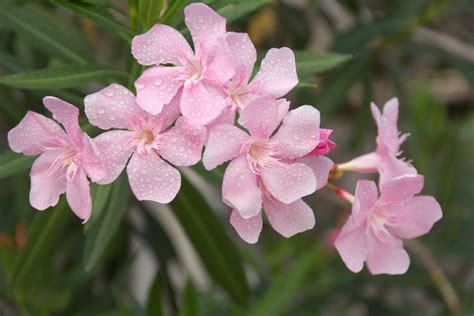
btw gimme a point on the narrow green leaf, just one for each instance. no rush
(42, 34)
(98, 15)
(100, 197)
(217, 251)
(190, 306)
(102, 230)
(308, 63)
(12, 163)
(9, 62)
(234, 9)
(64, 77)
(150, 11)
(176, 6)
(154, 305)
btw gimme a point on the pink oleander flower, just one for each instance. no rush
(384, 159)
(325, 145)
(198, 77)
(66, 157)
(268, 168)
(147, 139)
(375, 231)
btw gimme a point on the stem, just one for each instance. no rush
(343, 194)
(446, 289)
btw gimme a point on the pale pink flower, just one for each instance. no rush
(375, 231)
(384, 159)
(268, 168)
(325, 145)
(66, 157)
(198, 76)
(147, 139)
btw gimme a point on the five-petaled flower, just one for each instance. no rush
(197, 77)
(268, 167)
(375, 231)
(384, 159)
(146, 139)
(66, 157)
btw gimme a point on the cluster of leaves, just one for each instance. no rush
(64, 47)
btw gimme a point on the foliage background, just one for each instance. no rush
(144, 259)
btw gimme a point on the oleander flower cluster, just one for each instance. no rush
(201, 102)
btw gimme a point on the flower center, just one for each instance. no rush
(379, 220)
(144, 141)
(260, 154)
(146, 137)
(193, 70)
(65, 160)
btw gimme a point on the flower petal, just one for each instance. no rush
(277, 75)
(401, 189)
(283, 106)
(156, 87)
(244, 52)
(79, 196)
(289, 219)
(182, 144)
(390, 167)
(202, 104)
(114, 151)
(289, 182)
(321, 167)
(46, 185)
(366, 163)
(415, 217)
(64, 113)
(91, 160)
(204, 24)
(33, 134)
(153, 179)
(386, 257)
(248, 229)
(299, 132)
(351, 243)
(240, 190)
(111, 107)
(388, 134)
(224, 143)
(366, 196)
(260, 116)
(162, 44)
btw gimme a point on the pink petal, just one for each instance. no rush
(170, 111)
(299, 132)
(226, 117)
(388, 134)
(401, 189)
(415, 217)
(289, 182)
(202, 104)
(79, 196)
(182, 144)
(240, 190)
(260, 116)
(91, 160)
(283, 107)
(351, 243)
(277, 75)
(115, 152)
(111, 107)
(390, 167)
(248, 229)
(156, 87)
(204, 23)
(366, 195)
(153, 179)
(289, 219)
(46, 186)
(224, 143)
(220, 64)
(162, 44)
(365, 163)
(65, 114)
(244, 52)
(321, 167)
(33, 134)
(387, 257)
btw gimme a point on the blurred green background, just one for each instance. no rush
(146, 259)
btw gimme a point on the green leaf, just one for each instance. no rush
(98, 15)
(190, 306)
(308, 63)
(64, 77)
(42, 33)
(176, 6)
(9, 62)
(100, 197)
(234, 9)
(218, 253)
(154, 305)
(12, 163)
(150, 11)
(103, 229)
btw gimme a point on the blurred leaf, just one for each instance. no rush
(64, 77)
(99, 235)
(9, 62)
(12, 163)
(99, 15)
(308, 63)
(42, 33)
(190, 305)
(150, 11)
(176, 6)
(234, 9)
(154, 305)
(218, 253)
(100, 197)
